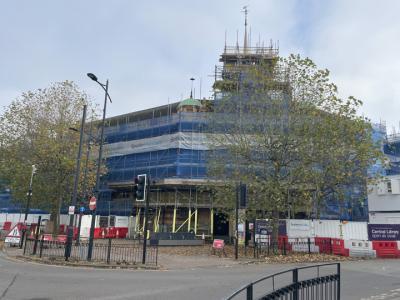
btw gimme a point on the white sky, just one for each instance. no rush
(149, 49)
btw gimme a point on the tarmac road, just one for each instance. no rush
(371, 279)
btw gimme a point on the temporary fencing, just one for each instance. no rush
(287, 245)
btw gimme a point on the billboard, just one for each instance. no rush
(264, 227)
(384, 232)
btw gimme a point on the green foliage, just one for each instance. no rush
(34, 130)
(288, 135)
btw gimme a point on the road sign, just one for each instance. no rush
(92, 203)
(218, 244)
(82, 209)
(14, 236)
(71, 210)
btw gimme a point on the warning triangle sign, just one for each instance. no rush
(14, 236)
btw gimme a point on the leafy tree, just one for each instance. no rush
(281, 128)
(35, 129)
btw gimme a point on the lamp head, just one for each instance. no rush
(92, 76)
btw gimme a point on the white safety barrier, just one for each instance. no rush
(301, 245)
(359, 248)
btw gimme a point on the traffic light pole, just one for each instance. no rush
(146, 220)
(237, 221)
(70, 235)
(28, 202)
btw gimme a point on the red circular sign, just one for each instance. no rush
(92, 203)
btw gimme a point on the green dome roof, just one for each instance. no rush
(189, 102)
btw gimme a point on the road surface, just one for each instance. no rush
(371, 279)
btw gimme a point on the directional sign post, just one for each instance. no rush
(92, 203)
(71, 210)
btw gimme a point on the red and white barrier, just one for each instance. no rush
(386, 249)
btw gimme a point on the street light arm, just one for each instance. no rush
(103, 87)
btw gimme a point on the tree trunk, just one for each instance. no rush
(275, 227)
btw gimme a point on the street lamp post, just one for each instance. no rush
(75, 190)
(96, 191)
(28, 202)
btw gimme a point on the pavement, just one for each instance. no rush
(180, 278)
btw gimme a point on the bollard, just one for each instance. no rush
(284, 247)
(25, 246)
(41, 246)
(37, 235)
(22, 238)
(249, 292)
(309, 245)
(295, 284)
(338, 282)
(109, 251)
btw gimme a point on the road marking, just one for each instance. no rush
(10, 284)
(393, 294)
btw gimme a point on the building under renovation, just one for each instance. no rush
(169, 144)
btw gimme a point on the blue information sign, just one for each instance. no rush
(82, 209)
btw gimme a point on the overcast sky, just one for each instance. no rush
(149, 49)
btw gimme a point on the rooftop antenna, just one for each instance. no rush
(237, 40)
(245, 10)
(191, 88)
(225, 43)
(250, 37)
(200, 87)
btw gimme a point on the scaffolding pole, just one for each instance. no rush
(212, 221)
(174, 220)
(137, 221)
(189, 218)
(195, 221)
(144, 222)
(190, 209)
(155, 226)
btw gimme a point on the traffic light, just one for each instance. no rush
(141, 184)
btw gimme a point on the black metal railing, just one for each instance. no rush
(318, 282)
(107, 251)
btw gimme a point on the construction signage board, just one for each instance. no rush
(218, 244)
(14, 236)
(263, 227)
(384, 232)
